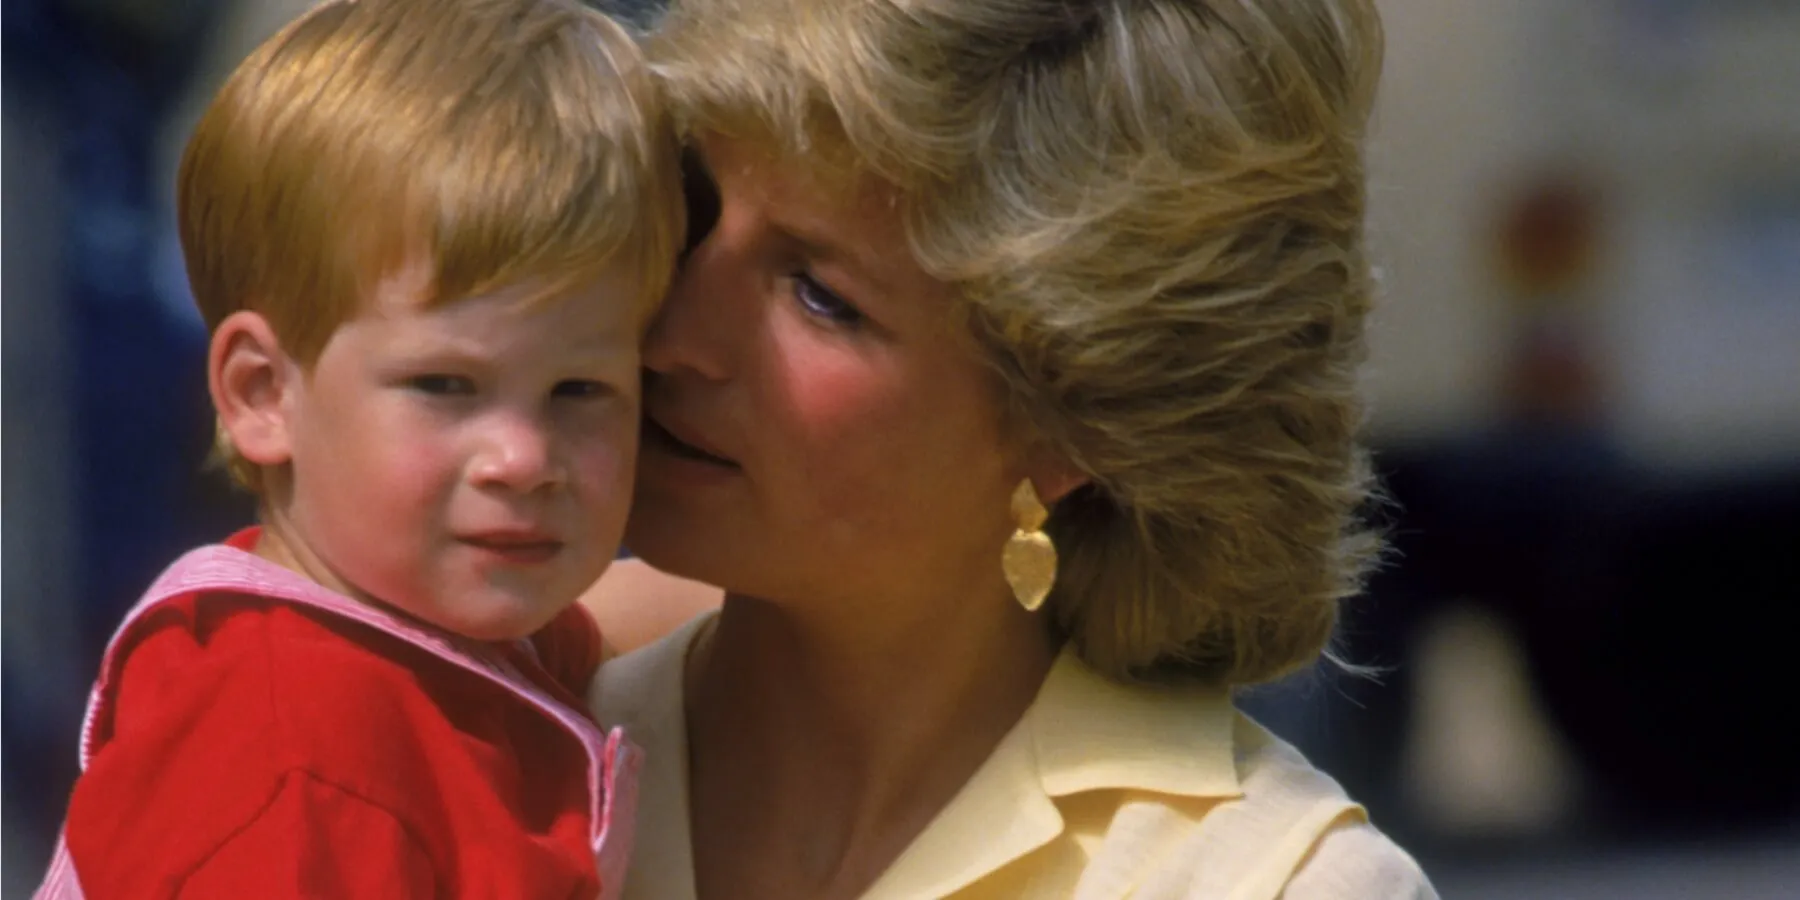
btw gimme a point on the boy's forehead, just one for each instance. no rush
(404, 288)
(600, 309)
(413, 287)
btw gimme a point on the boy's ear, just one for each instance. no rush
(252, 381)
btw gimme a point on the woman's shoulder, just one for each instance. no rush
(1290, 832)
(1354, 859)
(1172, 793)
(646, 684)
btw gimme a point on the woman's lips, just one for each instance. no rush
(684, 444)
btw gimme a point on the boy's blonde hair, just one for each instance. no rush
(1153, 210)
(510, 142)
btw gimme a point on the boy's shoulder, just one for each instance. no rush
(249, 690)
(298, 687)
(230, 709)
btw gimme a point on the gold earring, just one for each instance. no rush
(1029, 560)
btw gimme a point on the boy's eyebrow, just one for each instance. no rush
(605, 351)
(477, 350)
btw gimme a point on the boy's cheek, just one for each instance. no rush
(612, 468)
(417, 470)
(612, 448)
(608, 474)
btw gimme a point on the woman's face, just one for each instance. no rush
(814, 432)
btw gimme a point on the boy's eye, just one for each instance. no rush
(442, 385)
(579, 388)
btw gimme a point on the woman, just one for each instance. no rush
(958, 267)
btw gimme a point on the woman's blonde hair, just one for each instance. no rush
(513, 142)
(1154, 212)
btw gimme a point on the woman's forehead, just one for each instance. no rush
(805, 183)
(854, 222)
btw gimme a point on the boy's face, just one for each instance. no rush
(470, 464)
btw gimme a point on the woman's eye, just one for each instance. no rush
(818, 300)
(580, 388)
(442, 385)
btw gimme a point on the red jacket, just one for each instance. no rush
(257, 747)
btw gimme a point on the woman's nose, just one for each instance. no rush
(703, 319)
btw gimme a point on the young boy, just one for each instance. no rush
(426, 236)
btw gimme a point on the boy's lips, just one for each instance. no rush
(519, 547)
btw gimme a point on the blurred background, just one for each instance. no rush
(1587, 409)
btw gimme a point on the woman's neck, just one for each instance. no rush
(820, 745)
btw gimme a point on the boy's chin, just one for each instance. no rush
(496, 621)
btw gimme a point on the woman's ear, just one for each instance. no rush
(1054, 477)
(252, 381)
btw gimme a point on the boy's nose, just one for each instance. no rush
(516, 454)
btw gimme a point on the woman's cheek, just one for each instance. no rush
(833, 393)
(843, 422)
(848, 440)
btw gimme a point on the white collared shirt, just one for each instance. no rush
(1100, 791)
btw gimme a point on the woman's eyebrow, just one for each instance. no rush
(862, 262)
